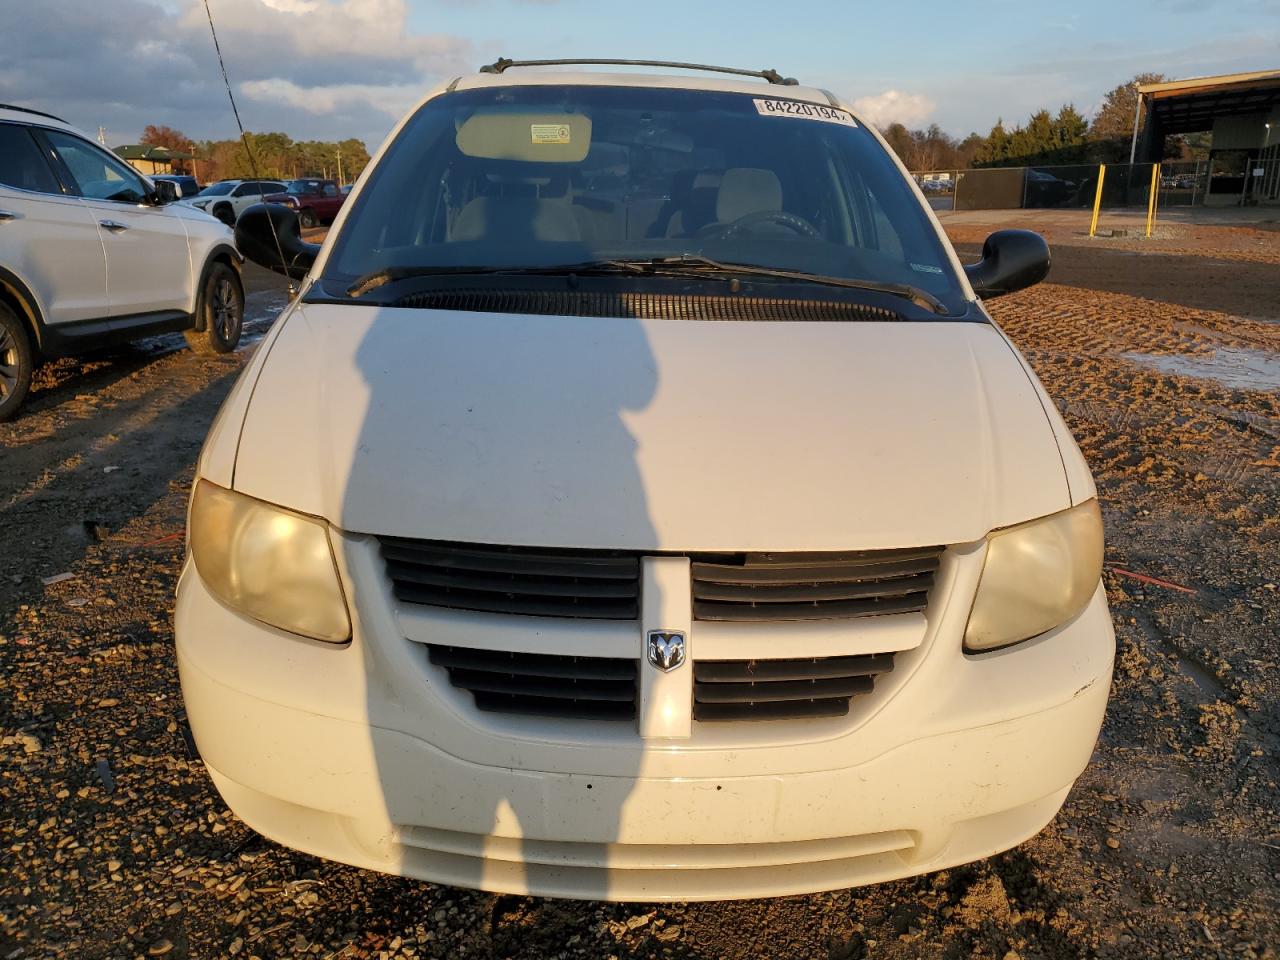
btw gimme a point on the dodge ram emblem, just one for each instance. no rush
(666, 649)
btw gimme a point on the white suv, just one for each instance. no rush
(90, 254)
(639, 503)
(227, 199)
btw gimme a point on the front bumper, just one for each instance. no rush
(346, 753)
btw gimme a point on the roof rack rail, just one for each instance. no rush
(38, 113)
(502, 64)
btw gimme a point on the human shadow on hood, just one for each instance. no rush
(479, 431)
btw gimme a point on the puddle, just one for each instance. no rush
(1234, 367)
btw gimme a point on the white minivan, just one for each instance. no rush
(638, 503)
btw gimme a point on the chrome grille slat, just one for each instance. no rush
(510, 582)
(810, 591)
(814, 668)
(533, 664)
(828, 688)
(784, 689)
(523, 581)
(581, 688)
(812, 586)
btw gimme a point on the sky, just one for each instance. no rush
(332, 69)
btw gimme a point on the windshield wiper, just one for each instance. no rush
(686, 264)
(378, 278)
(697, 262)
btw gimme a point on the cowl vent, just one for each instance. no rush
(644, 306)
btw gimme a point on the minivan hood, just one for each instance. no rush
(648, 434)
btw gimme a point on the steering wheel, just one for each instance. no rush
(779, 218)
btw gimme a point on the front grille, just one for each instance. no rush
(645, 306)
(591, 584)
(783, 689)
(812, 586)
(581, 688)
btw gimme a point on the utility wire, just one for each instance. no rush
(244, 138)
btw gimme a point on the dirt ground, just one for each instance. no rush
(113, 842)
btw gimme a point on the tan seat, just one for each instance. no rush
(747, 190)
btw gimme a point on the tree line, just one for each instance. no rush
(274, 155)
(1045, 139)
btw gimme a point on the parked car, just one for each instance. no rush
(227, 199)
(1045, 190)
(315, 201)
(90, 255)
(346, 189)
(540, 550)
(187, 186)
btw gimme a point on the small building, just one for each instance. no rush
(1241, 110)
(150, 160)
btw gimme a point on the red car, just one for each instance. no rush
(317, 201)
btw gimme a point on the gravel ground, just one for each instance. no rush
(113, 843)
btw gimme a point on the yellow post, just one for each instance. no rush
(1097, 199)
(1151, 201)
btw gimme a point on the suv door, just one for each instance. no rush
(252, 191)
(148, 260)
(48, 240)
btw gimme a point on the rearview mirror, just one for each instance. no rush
(270, 235)
(1011, 260)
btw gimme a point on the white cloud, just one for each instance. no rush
(291, 6)
(309, 30)
(315, 69)
(391, 99)
(894, 106)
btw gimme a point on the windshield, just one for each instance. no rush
(537, 176)
(217, 189)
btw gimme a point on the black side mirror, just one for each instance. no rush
(1011, 260)
(166, 191)
(270, 235)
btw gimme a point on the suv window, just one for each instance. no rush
(98, 175)
(220, 189)
(22, 163)
(543, 176)
(258, 188)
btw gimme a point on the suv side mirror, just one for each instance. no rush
(1011, 260)
(166, 191)
(268, 232)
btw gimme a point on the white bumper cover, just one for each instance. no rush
(363, 754)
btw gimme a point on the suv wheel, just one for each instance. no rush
(221, 307)
(308, 218)
(16, 362)
(224, 213)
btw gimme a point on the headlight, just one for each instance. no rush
(291, 201)
(200, 204)
(1037, 576)
(268, 563)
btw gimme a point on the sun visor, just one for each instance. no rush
(529, 137)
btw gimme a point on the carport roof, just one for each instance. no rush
(1186, 106)
(147, 151)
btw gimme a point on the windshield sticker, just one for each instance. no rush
(550, 132)
(925, 268)
(804, 111)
